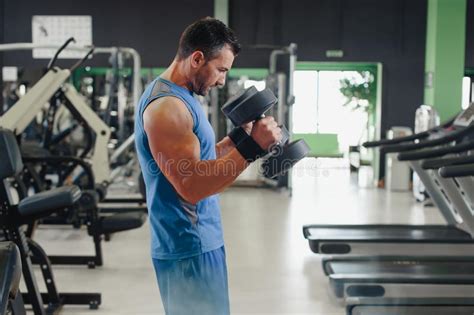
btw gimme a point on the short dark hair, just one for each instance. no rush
(208, 35)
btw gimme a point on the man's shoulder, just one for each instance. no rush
(167, 103)
(166, 110)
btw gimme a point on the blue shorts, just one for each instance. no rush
(195, 285)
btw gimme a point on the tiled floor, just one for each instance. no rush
(271, 269)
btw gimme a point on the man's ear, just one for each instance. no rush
(197, 59)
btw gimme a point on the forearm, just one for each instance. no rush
(200, 179)
(224, 146)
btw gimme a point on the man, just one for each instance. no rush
(184, 170)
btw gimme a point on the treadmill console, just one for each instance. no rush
(466, 117)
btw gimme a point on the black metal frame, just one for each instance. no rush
(88, 213)
(77, 217)
(11, 223)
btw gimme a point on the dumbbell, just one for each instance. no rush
(251, 105)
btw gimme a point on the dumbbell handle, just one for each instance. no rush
(285, 133)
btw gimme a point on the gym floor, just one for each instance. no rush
(271, 268)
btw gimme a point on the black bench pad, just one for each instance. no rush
(44, 203)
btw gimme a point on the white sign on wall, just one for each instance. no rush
(10, 74)
(56, 29)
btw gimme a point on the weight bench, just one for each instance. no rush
(101, 222)
(29, 209)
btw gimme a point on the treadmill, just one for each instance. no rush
(455, 169)
(412, 280)
(453, 239)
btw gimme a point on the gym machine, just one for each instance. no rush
(282, 61)
(414, 284)
(14, 215)
(25, 110)
(17, 118)
(453, 239)
(458, 169)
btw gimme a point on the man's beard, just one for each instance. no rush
(199, 86)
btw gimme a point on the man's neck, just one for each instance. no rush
(176, 73)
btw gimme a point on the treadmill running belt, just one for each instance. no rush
(408, 268)
(400, 277)
(412, 310)
(428, 306)
(383, 233)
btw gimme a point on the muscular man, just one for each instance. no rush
(184, 170)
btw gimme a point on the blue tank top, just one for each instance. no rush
(178, 229)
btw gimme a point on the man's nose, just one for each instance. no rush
(221, 81)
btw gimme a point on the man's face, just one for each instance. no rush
(213, 72)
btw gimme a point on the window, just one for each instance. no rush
(320, 106)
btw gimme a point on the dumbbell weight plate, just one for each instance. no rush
(238, 98)
(285, 134)
(280, 163)
(248, 105)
